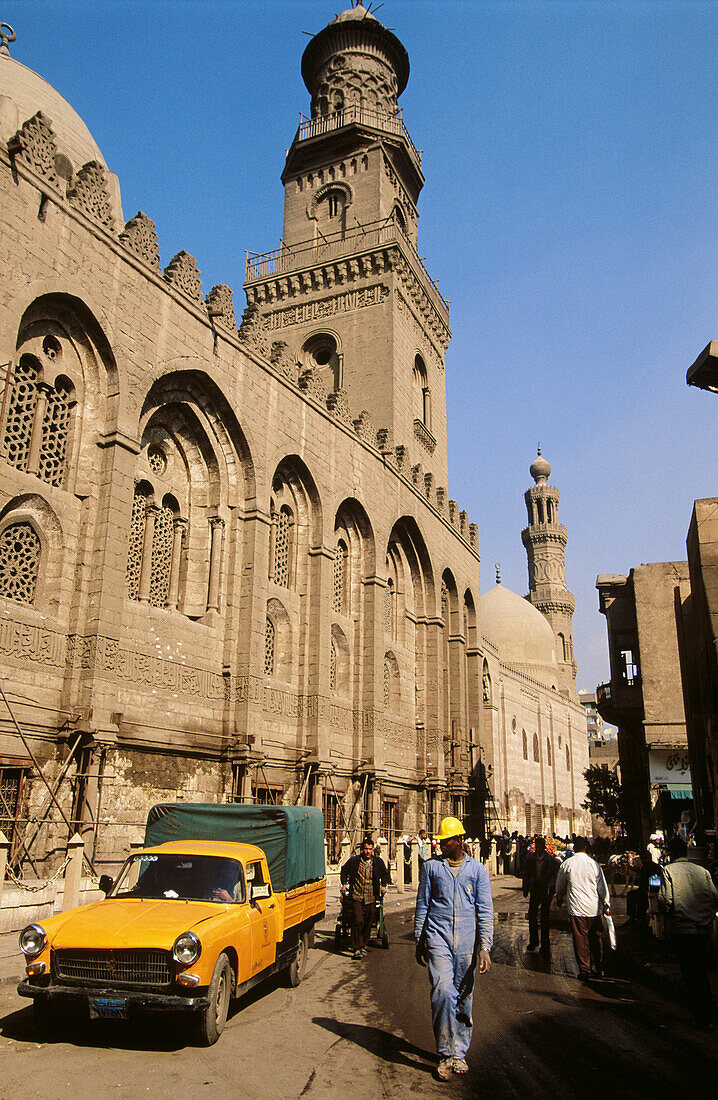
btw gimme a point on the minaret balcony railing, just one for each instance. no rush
(335, 246)
(376, 120)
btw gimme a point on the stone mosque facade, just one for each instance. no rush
(230, 568)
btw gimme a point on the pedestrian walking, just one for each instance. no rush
(424, 848)
(364, 878)
(453, 929)
(581, 881)
(539, 883)
(689, 899)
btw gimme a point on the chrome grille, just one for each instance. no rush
(114, 968)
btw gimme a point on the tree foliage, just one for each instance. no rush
(604, 794)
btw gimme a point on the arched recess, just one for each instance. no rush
(422, 393)
(536, 748)
(339, 683)
(391, 684)
(60, 391)
(453, 667)
(193, 472)
(354, 561)
(413, 637)
(296, 524)
(487, 687)
(31, 553)
(281, 635)
(322, 352)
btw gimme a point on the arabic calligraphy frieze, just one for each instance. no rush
(26, 642)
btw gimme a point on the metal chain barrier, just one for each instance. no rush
(36, 889)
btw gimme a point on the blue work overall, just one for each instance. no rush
(455, 915)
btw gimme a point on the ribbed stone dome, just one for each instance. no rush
(521, 634)
(23, 93)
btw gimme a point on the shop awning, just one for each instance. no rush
(679, 790)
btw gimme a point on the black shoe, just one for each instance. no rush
(532, 947)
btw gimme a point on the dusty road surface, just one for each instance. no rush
(362, 1030)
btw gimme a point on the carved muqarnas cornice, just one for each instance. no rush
(562, 605)
(183, 274)
(140, 237)
(539, 536)
(88, 192)
(220, 307)
(34, 146)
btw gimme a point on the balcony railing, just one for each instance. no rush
(324, 124)
(335, 246)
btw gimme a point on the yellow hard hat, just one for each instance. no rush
(450, 826)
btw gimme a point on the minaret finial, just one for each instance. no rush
(498, 572)
(539, 447)
(7, 34)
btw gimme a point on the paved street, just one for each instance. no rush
(364, 1029)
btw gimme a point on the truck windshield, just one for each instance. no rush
(181, 877)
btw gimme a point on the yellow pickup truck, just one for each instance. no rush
(189, 922)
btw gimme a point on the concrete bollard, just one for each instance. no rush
(414, 864)
(494, 859)
(4, 850)
(400, 883)
(73, 873)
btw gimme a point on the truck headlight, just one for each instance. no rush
(32, 940)
(187, 949)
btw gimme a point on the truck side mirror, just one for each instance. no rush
(105, 883)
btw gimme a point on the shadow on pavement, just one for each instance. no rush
(74, 1028)
(384, 1044)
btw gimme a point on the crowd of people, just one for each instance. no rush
(454, 917)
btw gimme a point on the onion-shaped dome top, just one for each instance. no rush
(521, 634)
(351, 28)
(540, 469)
(23, 93)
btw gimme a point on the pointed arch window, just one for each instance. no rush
(283, 522)
(161, 563)
(423, 399)
(340, 602)
(137, 538)
(536, 749)
(37, 424)
(525, 744)
(154, 550)
(269, 639)
(568, 760)
(19, 563)
(548, 752)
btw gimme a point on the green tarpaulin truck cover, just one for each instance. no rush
(291, 837)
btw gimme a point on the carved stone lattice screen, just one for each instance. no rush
(21, 413)
(156, 460)
(387, 682)
(137, 538)
(269, 648)
(161, 557)
(281, 549)
(19, 563)
(333, 667)
(339, 562)
(388, 595)
(55, 427)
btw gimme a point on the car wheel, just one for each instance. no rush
(298, 965)
(214, 1016)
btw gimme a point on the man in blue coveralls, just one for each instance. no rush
(453, 925)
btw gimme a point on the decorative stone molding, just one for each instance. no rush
(220, 308)
(252, 331)
(364, 426)
(453, 513)
(385, 441)
(428, 486)
(313, 386)
(34, 145)
(424, 436)
(283, 361)
(88, 192)
(323, 308)
(463, 524)
(140, 237)
(417, 475)
(401, 456)
(183, 274)
(441, 499)
(339, 406)
(474, 536)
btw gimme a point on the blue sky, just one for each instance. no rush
(569, 214)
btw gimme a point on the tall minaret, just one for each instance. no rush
(347, 295)
(545, 541)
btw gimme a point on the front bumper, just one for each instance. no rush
(136, 999)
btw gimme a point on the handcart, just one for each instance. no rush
(342, 932)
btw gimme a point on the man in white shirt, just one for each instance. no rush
(580, 880)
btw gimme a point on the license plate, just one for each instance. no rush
(108, 1008)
